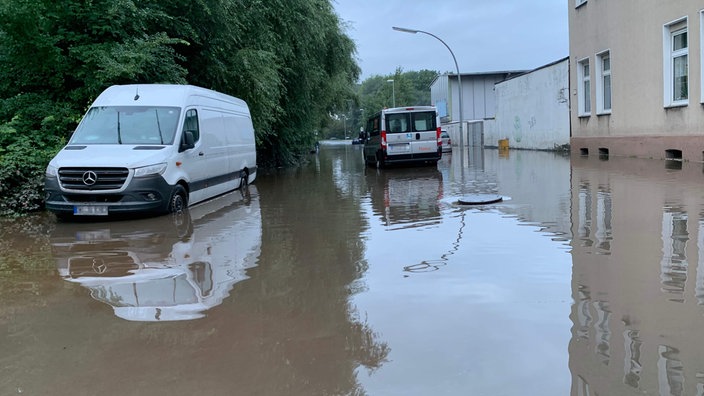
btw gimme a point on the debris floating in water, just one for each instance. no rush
(480, 199)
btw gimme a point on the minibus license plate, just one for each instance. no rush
(90, 210)
(399, 148)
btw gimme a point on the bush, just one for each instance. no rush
(26, 147)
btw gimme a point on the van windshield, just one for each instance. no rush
(127, 125)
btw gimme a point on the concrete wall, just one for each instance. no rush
(472, 133)
(533, 109)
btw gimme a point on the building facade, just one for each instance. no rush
(636, 81)
(478, 101)
(533, 110)
(478, 95)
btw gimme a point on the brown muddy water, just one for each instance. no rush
(336, 279)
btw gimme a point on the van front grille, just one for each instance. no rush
(93, 179)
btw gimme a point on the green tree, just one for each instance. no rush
(409, 88)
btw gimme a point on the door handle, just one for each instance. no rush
(417, 136)
(201, 154)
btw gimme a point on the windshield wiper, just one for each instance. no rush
(158, 125)
(119, 137)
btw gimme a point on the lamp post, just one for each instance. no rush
(362, 120)
(393, 91)
(459, 78)
(344, 125)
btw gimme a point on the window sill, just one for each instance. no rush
(604, 113)
(676, 105)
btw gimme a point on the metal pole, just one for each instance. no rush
(393, 91)
(459, 77)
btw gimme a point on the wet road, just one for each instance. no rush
(336, 279)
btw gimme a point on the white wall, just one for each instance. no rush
(532, 110)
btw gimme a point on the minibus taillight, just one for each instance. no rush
(383, 140)
(438, 133)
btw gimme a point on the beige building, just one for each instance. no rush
(636, 78)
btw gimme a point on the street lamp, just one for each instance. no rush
(459, 78)
(393, 90)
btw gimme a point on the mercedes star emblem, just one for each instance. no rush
(89, 178)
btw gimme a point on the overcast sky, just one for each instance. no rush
(484, 35)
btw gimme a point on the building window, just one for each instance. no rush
(603, 83)
(584, 88)
(676, 63)
(578, 3)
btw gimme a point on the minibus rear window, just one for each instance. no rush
(419, 121)
(424, 121)
(127, 125)
(397, 123)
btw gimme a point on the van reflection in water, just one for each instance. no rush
(173, 267)
(406, 197)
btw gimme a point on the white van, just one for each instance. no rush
(143, 149)
(403, 135)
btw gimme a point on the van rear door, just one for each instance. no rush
(424, 132)
(411, 133)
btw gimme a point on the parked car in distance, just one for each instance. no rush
(446, 141)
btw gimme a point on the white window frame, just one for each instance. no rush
(584, 95)
(701, 56)
(670, 30)
(602, 89)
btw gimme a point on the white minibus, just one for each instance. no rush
(150, 149)
(403, 135)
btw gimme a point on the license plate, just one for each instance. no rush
(90, 210)
(399, 148)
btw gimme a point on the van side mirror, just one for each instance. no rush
(188, 141)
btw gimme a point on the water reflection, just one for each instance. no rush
(634, 299)
(166, 268)
(406, 196)
(594, 233)
(456, 289)
(632, 365)
(674, 259)
(670, 371)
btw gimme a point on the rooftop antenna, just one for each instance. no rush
(136, 95)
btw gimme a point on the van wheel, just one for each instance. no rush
(243, 179)
(178, 201)
(379, 162)
(244, 187)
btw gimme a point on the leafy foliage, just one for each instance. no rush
(378, 92)
(34, 133)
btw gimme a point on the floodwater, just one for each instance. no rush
(336, 279)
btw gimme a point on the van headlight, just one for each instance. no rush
(51, 171)
(156, 169)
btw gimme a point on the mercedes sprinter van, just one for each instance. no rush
(151, 149)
